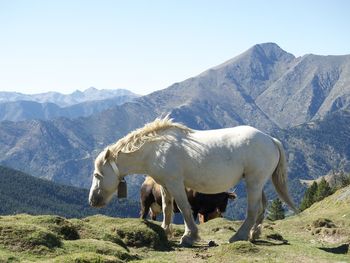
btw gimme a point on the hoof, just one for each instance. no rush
(186, 241)
(236, 238)
(255, 234)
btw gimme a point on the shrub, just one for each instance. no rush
(316, 192)
(323, 190)
(309, 197)
(276, 210)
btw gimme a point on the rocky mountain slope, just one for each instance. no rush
(318, 147)
(265, 87)
(311, 88)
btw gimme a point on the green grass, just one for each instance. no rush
(93, 239)
(319, 234)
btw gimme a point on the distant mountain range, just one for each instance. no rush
(29, 110)
(303, 101)
(64, 100)
(46, 106)
(21, 193)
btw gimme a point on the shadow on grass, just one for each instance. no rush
(201, 244)
(342, 249)
(270, 243)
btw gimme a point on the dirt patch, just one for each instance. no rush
(326, 230)
(323, 222)
(322, 226)
(202, 253)
(224, 228)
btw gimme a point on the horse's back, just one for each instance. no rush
(225, 155)
(235, 135)
(238, 142)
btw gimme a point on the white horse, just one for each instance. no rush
(210, 161)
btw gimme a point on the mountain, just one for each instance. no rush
(26, 110)
(64, 100)
(233, 93)
(311, 88)
(21, 193)
(318, 147)
(225, 95)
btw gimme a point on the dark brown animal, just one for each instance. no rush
(215, 214)
(207, 206)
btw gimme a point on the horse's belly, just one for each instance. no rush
(213, 181)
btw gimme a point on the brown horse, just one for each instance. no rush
(207, 206)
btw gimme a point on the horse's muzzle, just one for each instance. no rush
(96, 201)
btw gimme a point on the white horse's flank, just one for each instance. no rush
(209, 161)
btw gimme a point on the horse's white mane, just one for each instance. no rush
(150, 132)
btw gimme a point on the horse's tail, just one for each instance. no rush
(279, 177)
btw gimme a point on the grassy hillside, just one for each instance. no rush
(319, 234)
(21, 193)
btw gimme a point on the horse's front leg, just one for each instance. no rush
(167, 205)
(177, 190)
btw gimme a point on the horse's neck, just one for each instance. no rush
(142, 160)
(131, 163)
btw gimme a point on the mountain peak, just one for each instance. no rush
(269, 50)
(91, 89)
(267, 45)
(265, 52)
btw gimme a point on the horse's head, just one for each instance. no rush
(105, 180)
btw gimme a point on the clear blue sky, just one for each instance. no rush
(143, 46)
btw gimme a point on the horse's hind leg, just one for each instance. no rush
(256, 230)
(254, 190)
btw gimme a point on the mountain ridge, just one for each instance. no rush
(26, 110)
(321, 76)
(235, 93)
(64, 100)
